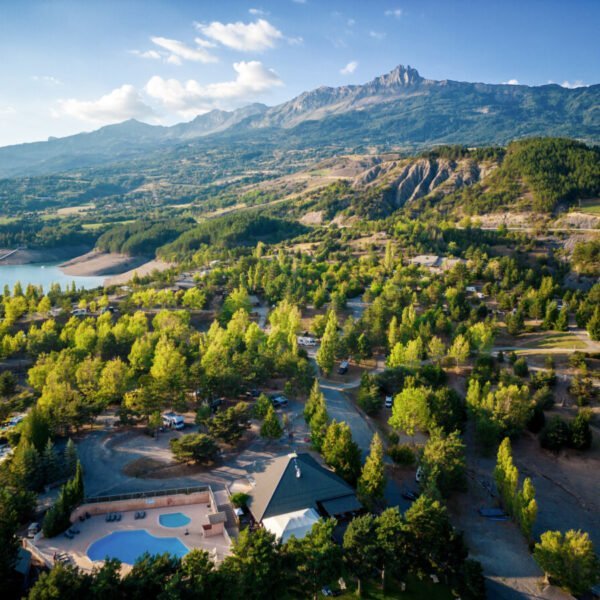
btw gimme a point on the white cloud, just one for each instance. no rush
(152, 54)
(178, 51)
(511, 82)
(295, 41)
(258, 12)
(47, 79)
(351, 22)
(259, 35)
(349, 68)
(120, 104)
(572, 85)
(204, 43)
(393, 12)
(377, 35)
(7, 111)
(190, 98)
(299, 1)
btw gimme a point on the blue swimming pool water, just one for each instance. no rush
(128, 546)
(174, 520)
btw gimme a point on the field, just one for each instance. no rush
(591, 207)
(556, 340)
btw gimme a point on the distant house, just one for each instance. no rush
(436, 263)
(294, 491)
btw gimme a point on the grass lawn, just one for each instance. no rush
(415, 590)
(556, 340)
(591, 207)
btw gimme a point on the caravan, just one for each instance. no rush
(173, 420)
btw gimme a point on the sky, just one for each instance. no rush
(76, 65)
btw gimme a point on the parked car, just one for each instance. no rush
(410, 495)
(343, 368)
(279, 400)
(389, 401)
(79, 312)
(419, 474)
(32, 530)
(304, 340)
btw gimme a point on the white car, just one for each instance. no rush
(419, 474)
(389, 401)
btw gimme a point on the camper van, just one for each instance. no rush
(173, 421)
(306, 341)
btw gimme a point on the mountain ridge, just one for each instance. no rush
(397, 109)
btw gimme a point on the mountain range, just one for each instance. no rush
(397, 111)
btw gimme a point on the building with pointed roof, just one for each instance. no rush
(294, 483)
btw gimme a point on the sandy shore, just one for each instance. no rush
(96, 263)
(142, 270)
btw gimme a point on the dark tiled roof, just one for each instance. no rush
(278, 490)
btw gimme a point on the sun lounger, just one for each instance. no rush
(143, 514)
(118, 516)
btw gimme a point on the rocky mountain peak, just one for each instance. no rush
(400, 76)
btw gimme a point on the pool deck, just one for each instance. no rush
(97, 527)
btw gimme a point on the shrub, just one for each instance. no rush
(581, 434)
(239, 499)
(555, 435)
(520, 367)
(402, 454)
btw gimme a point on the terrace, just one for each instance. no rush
(205, 529)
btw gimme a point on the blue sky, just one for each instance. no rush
(75, 65)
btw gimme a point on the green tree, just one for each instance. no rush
(271, 427)
(372, 480)
(459, 350)
(369, 397)
(261, 407)
(527, 508)
(26, 467)
(562, 321)
(168, 371)
(51, 464)
(70, 459)
(360, 548)
(443, 462)
(254, 569)
(411, 410)
(436, 349)
(9, 543)
(317, 559)
(391, 544)
(329, 344)
(36, 429)
(314, 400)
(506, 476)
(581, 433)
(568, 559)
(318, 425)
(340, 451)
(194, 447)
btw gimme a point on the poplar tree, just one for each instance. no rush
(371, 484)
(329, 344)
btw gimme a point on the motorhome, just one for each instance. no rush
(173, 420)
(306, 341)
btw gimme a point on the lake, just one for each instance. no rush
(44, 275)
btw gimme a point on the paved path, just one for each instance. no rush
(341, 408)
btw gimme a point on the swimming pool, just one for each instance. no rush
(174, 520)
(128, 546)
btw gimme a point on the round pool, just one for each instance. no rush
(128, 546)
(174, 520)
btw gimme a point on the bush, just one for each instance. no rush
(239, 499)
(555, 435)
(402, 454)
(538, 419)
(194, 447)
(581, 434)
(520, 367)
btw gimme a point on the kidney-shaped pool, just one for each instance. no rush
(128, 546)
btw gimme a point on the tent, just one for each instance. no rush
(297, 523)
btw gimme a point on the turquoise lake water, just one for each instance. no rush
(174, 520)
(128, 546)
(44, 275)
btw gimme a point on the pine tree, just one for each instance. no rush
(329, 344)
(50, 463)
(341, 452)
(371, 484)
(562, 321)
(78, 485)
(318, 426)
(26, 467)
(314, 399)
(70, 459)
(393, 332)
(271, 427)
